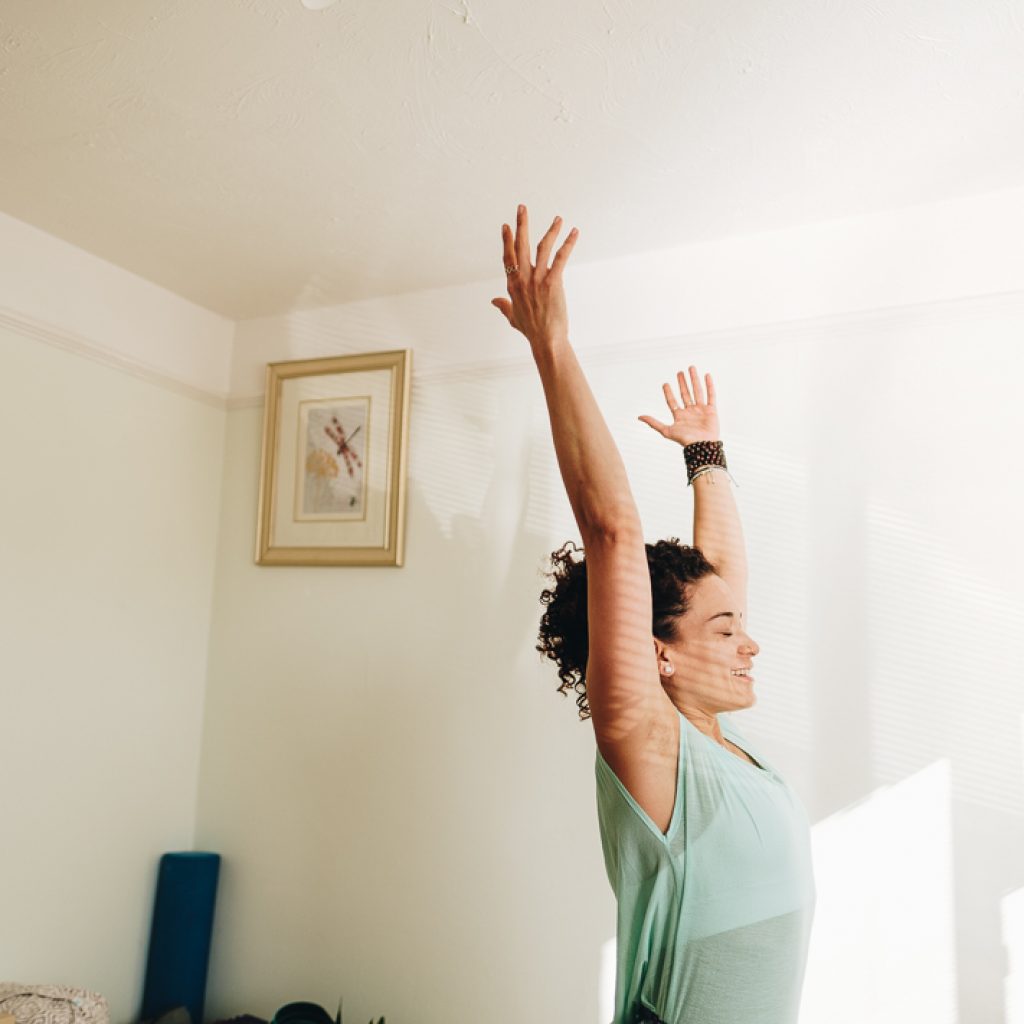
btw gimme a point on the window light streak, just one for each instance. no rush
(940, 635)
(606, 982)
(1012, 914)
(883, 943)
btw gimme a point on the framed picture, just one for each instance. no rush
(332, 478)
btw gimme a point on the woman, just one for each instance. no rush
(707, 849)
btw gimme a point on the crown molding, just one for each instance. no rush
(829, 329)
(58, 337)
(834, 328)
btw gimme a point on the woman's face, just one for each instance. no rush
(713, 644)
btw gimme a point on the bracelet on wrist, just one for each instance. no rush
(702, 457)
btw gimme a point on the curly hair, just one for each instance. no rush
(564, 636)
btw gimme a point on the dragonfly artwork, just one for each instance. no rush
(333, 481)
(336, 432)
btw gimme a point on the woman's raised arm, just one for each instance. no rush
(622, 677)
(717, 530)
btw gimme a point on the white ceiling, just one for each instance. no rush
(255, 156)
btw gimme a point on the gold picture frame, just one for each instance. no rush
(333, 465)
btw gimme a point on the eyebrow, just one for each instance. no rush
(719, 615)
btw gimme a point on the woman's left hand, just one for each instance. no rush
(696, 419)
(537, 307)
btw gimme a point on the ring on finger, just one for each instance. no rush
(511, 269)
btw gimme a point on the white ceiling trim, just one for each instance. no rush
(839, 328)
(66, 341)
(832, 329)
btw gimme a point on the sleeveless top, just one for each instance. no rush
(714, 916)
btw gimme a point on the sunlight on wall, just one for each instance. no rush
(458, 430)
(1012, 909)
(606, 983)
(883, 931)
(776, 498)
(940, 634)
(1012, 913)
(548, 512)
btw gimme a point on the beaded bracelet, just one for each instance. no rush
(702, 457)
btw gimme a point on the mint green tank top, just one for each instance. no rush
(714, 916)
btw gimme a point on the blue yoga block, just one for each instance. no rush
(179, 943)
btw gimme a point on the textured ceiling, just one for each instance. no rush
(255, 156)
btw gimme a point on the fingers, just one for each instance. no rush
(697, 395)
(654, 424)
(698, 392)
(504, 306)
(522, 250)
(670, 398)
(684, 388)
(521, 279)
(565, 251)
(508, 247)
(516, 246)
(544, 248)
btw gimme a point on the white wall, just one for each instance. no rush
(406, 807)
(108, 528)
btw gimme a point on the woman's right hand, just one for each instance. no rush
(537, 308)
(696, 419)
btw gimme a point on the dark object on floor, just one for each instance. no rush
(179, 943)
(305, 1013)
(308, 1013)
(242, 1018)
(176, 1015)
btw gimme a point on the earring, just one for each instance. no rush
(668, 670)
